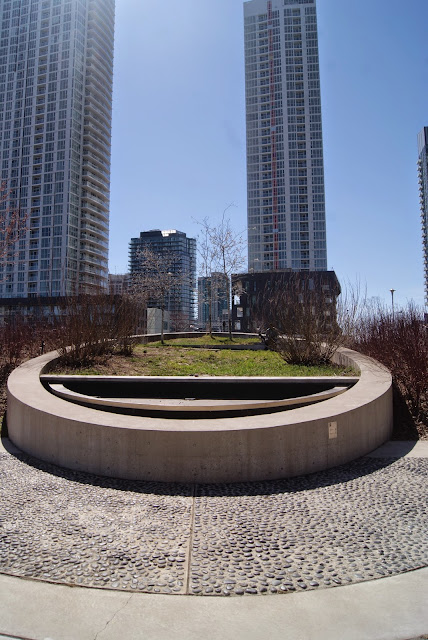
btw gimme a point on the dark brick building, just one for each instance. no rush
(256, 294)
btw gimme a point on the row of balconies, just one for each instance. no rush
(90, 225)
(99, 40)
(94, 188)
(99, 251)
(94, 82)
(91, 259)
(96, 47)
(97, 144)
(87, 163)
(93, 120)
(88, 153)
(90, 130)
(98, 179)
(90, 237)
(98, 69)
(88, 269)
(93, 198)
(98, 98)
(92, 107)
(102, 14)
(93, 208)
(94, 224)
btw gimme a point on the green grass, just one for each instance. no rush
(207, 340)
(153, 360)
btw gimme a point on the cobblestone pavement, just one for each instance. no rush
(358, 522)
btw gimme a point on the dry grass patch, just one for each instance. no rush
(149, 360)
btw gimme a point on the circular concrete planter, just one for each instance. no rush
(235, 449)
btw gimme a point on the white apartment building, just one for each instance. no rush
(56, 70)
(423, 193)
(285, 169)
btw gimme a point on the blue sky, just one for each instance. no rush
(178, 146)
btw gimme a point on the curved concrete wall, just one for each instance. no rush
(270, 446)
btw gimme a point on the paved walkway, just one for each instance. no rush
(387, 609)
(390, 608)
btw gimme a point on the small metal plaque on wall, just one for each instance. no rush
(332, 430)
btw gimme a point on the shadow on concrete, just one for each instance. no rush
(394, 449)
(337, 475)
(404, 423)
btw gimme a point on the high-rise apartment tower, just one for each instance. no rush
(423, 190)
(56, 69)
(285, 170)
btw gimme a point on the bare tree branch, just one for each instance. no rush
(13, 225)
(158, 280)
(222, 250)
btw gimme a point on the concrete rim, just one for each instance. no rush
(249, 448)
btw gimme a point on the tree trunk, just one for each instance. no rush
(162, 321)
(210, 309)
(229, 321)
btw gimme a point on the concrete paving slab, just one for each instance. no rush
(401, 449)
(386, 609)
(38, 610)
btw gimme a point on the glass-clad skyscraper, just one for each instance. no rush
(285, 170)
(423, 191)
(56, 71)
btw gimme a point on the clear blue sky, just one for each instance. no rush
(178, 146)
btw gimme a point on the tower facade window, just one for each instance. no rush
(285, 170)
(56, 102)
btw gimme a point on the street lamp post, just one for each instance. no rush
(392, 302)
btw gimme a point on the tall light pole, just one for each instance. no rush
(392, 301)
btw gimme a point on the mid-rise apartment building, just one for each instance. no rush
(423, 191)
(56, 70)
(285, 169)
(118, 283)
(177, 255)
(255, 303)
(212, 301)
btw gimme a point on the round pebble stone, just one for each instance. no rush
(357, 522)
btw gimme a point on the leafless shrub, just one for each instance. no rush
(22, 338)
(93, 326)
(14, 337)
(400, 342)
(302, 321)
(127, 315)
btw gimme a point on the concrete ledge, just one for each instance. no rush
(162, 396)
(250, 448)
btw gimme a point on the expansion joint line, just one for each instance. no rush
(190, 553)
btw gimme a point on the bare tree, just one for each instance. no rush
(224, 252)
(158, 280)
(206, 267)
(13, 225)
